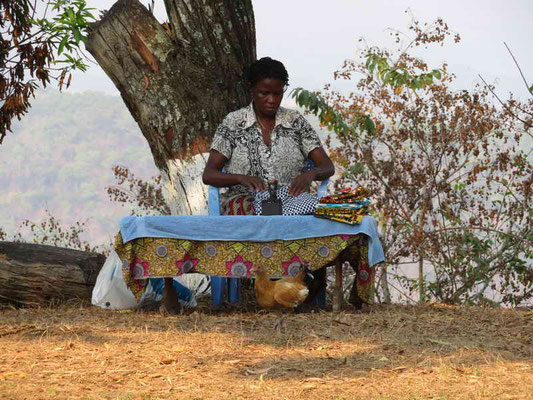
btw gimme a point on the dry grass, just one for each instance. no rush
(395, 352)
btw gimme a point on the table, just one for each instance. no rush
(229, 246)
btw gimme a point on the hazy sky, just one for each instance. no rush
(314, 37)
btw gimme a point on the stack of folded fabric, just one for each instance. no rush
(348, 206)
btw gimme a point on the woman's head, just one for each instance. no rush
(268, 80)
(266, 68)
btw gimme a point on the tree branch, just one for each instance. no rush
(519, 69)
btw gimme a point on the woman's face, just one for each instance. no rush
(267, 95)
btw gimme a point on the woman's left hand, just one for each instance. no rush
(302, 183)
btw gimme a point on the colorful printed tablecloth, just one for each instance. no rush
(144, 258)
(151, 257)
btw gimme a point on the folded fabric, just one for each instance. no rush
(356, 205)
(348, 206)
(348, 195)
(340, 212)
(348, 219)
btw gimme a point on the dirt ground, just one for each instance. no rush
(394, 352)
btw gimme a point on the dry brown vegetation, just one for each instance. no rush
(394, 352)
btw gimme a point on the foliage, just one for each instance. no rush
(521, 112)
(146, 196)
(66, 31)
(69, 169)
(30, 47)
(61, 160)
(51, 231)
(448, 176)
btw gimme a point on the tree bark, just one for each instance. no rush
(178, 79)
(384, 283)
(36, 274)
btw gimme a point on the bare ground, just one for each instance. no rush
(394, 352)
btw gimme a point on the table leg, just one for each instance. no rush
(337, 290)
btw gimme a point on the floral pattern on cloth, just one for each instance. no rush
(226, 258)
(363, 289)
(357, 256)
(187, 264)
(239, 139)
(238, 268)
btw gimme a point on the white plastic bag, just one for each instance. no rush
(110, 290)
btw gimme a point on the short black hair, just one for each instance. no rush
(267, 68)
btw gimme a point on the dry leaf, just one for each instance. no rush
(114, 377)
(338, 321)
(440, 342)
(314, 380)
(258, 371)
(400, 368)
(13, 374)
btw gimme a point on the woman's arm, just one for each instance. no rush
(323, 169)
(213, 176)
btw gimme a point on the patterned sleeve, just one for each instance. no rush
(309, 137)
(223, 141)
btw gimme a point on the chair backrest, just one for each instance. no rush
(213, 201)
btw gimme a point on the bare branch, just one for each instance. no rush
(526, 123)
(519, 69)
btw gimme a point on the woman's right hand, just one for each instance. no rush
(252, 182)
(213, 176)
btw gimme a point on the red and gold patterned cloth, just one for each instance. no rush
(239, 204)
(164, 257)
(348, 195)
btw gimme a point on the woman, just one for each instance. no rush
(263, 142)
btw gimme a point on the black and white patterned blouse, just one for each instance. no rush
(239, 139)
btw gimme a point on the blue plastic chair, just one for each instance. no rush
(232, 286)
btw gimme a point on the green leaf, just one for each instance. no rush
(369, 125)
(436, 73)
(77, 35)
(62, 45)
(303, 99)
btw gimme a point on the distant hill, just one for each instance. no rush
(59, 157)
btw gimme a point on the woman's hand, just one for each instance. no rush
(323, 170)
(252, 182)
(213, 176)
(302, 183)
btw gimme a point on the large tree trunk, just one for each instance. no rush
(178, 79)
(36, 274)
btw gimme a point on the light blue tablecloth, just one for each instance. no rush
(252, 228)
